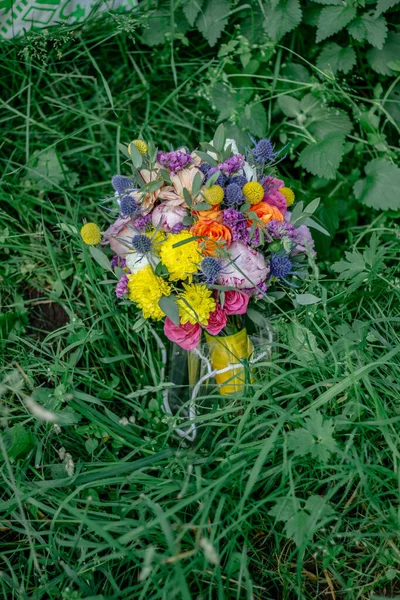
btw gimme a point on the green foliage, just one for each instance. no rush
(380, 188)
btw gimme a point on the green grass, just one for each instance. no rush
(292, 491)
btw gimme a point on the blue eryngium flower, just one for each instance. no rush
(122, 184)
(127, 206)
(141, 243)
(210, 268)
(263, 151)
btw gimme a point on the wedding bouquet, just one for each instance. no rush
(201, 237)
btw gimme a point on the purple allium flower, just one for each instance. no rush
(122, 287)
(118, 261)
(233, 195)
(140, 223)
(280, 265)
(174, 161)
(278, 230)
(122, 184)
(236, 222)
(263, 151)
(178, 228)
(232, 164)
(239, 180)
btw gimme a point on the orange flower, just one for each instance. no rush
(213, 214)
(214, 234)
(265, 212)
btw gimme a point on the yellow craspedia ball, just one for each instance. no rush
(214, 195)
(140, 145)
(289, 195)
(90, 234)
(253, 192)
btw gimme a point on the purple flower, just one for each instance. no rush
(303, 239)
(236, 222)
(178, 227)
(221, 179)
(118, 261)
(174, 161)
(233, 195)
(258, 291)
(122, 287)
(278, 230)
(281, 266)
(263, 151)
(122, 184)
(240, 180)
(232, 165)
(140, 223)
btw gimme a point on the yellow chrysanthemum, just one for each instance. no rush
(214, 195)
(196, 304)
(289, 195)
(145, 289)
(140, 145)
(181, 261)
(90, 234)
(253, 192)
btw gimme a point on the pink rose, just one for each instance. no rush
(117, 233)
(187, 336)
(245, 269)
(272, 194)
(165, 216)
(217, 321)
(235, 302)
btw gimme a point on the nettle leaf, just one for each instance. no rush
(370, 28)
(289, 106)
(18, 441)
(361, 269)
(160, 24)
(224, 100)
(384, 5)
(213, 19)
(322, 120)
(333, 19)
(380, 188)
(284, 508)
(323, 158)
(254, 119)
(191, 8)
(380, 59)
(336, 58)
(281, 17)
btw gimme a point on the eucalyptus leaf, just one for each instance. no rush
(306, 299)
(136, 157)
(219, 138)
(100, 258)
(169, 306)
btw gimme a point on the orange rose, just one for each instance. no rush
(214, 233)
(213, 214)
(265, 212)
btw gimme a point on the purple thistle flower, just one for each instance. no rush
(174, 161)
(121, 288)
(233, 195)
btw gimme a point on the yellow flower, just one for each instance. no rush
(90, 234)
(145, 289)
(289, 195)
(214, 195)
(181, 261)
(196, 304)
(140, 145)
(253, 192)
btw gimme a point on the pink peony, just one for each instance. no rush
(217, 321)
(187, 336)
(235, 302)
(165, 216)
(246, 267)
(272, 194)
(117, 233)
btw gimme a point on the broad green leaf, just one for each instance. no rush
(91, 445)
(306, 299)
(284, 508)
(225, 100)
(169, 306)
(281, 17)
(135, 155)
(254, 119)
(100, 258)
(312, 207)
(187, 197)
(384, 5)
(374, 30)
(289, 106)
(333, 19)
(380, 59)
(303, 343)
(219, 138)
(323, 158)
(322, 119)
(213, 19)
(336, 58)
(207, 158)
(123, 149)
(380, 188)
(191, 9)
(196, 185)
(297, 528)
(314, 225)
(315, 438)
(160, 24)
(18, 441)
(212, 179)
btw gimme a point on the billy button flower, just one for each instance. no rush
(253, 192)
(140, 145)
(214, 195)
(288, 194)
(90, 234)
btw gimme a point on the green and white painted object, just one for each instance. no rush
(19, 16)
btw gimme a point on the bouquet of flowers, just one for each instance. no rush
(203, 236)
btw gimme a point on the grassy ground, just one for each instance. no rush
(293, 492)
